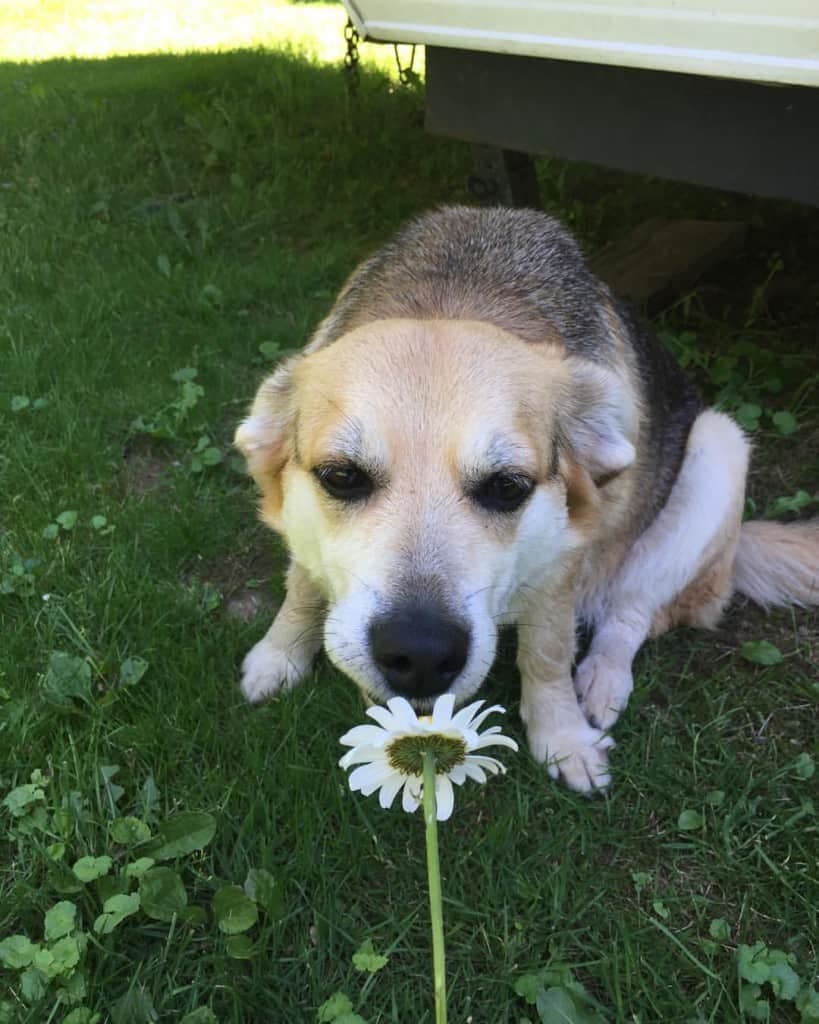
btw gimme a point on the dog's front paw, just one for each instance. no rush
(578, 754)
(267, 669)
(603, 689)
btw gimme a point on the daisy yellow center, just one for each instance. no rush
(405, 754)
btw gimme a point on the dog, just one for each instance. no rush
(480, 434)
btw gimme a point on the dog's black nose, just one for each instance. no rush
(420, 651)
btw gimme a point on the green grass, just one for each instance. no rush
(165, 211)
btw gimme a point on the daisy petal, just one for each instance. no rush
(463, 720)
(372, 769)
(442, 712)
(369, 735)
(389, 790)
(489, 763)
(361, 755)
(403, 712)
(411, 796)
(474, 771)
(384, 717)
(479, 719)
(444, 797)
(403, 715)
(495, 740)
(368, 777)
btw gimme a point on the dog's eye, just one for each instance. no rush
(344, 481)
(503, 492)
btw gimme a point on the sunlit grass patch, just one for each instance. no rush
(34, 30)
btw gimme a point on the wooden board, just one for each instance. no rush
(661, 258)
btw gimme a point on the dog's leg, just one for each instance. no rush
(558, 732)
(282, 658)
(680, 555)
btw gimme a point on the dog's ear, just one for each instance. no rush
(602, 419)
(264, 437)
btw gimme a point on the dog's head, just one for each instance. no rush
(428, 475)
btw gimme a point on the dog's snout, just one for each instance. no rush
(419, 651)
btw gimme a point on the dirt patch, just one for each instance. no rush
(783, 467)
(246, 604)
(145, 467)
(244, 578)
(794, 631)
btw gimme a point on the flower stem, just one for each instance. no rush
(434, 876)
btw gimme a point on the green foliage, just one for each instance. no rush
(557, 1006)
(135, 1007)
(56, 960)
(641, 879)
(205, 454)
(203, 1015)
(115, 910)
(60, 920)
(17, 951)
(82, 1015)
(744, 381)
(791, 504)
(805, 766)
(173, 421)
(129, 831)
(68, 678)
(769, 975)
(366, 959)
(138, 868)
(180, 835)
(106, 903)
(265, 889)
(558, 997)
(17, 575)
(240, 947)
(68, 520)
(339, 1007)
(338, 1010)
(761, 652)
(162, 894)
(168, 422)
(87, 869)
(690, 820)
(719, 929)
(233, 910)
(132, 670)
(334, 1007)
(25, 804)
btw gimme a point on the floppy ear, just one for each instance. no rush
(602, 419)
(264, 437)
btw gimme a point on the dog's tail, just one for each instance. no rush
(778, 563)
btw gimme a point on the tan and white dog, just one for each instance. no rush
(479, 434)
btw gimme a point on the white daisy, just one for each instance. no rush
(389, 755)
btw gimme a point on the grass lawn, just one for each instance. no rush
(168, 225)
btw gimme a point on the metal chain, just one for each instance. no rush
(406, 75)
(351, 58)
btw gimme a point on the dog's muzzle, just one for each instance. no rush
(420, 650)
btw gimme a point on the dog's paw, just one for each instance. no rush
(603, 689)
(267, 670)
(578, 754)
